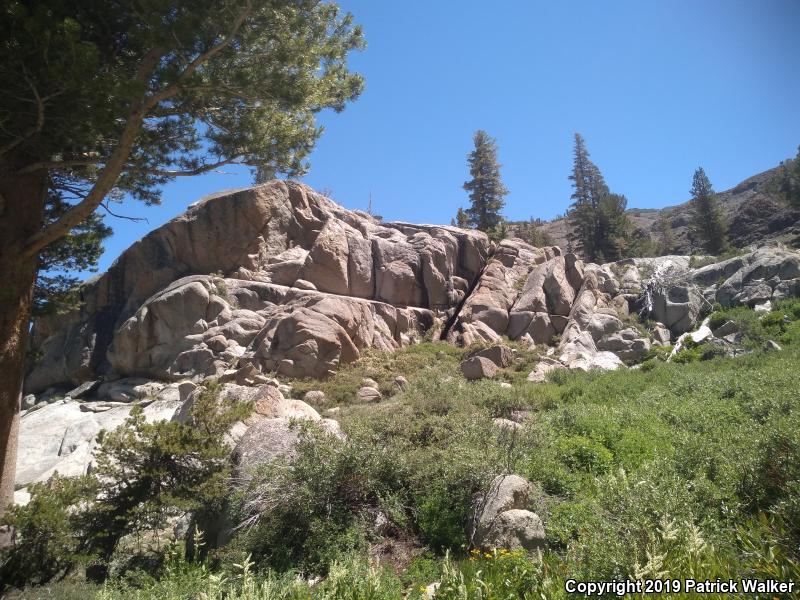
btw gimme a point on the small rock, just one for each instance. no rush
(181, 526)
(726, 329)
(764, 307)
(314, 397)
(478, 367)
(660, 334)
(520, 416)
(185, 389)
(332, 412)
(500, 355)
(367, 382)
(400, 383)
(302, 284)
(543, 367)
(382, 524)
(506, 424)
(368, 394)
(22, 497)
(505, 384)
(285, 389)
(770, 346)
(516, 529)
(28, 401)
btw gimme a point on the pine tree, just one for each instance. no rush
(535, 235)
(614, 228)
(461, 219)
(707, 228)
(486, 190)
(597, 217)
(666, 239)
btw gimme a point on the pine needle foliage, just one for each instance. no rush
(708, 228)
(597, 217)
(486, 189)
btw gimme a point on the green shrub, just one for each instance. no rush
(46, 538)
(144, 473)
(583, 454)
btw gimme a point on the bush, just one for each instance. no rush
(46, 532)
(144, 473)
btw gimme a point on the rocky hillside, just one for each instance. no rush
(752, 211)
(279, 281)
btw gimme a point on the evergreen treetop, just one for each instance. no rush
(486, 189)
(708, 228)
(597, 217)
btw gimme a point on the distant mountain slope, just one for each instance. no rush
(753, 213)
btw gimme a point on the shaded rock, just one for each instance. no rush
(677, 307)
(726, 329)
(84, 389)
(28, 401)
(478, 367)
(265, 441)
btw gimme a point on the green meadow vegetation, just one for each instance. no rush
(687, 468)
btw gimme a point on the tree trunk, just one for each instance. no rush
(21, 212)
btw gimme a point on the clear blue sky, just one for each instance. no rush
(656, 88)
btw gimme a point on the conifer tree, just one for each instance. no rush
(461, 219)
(707, 228)
(535, 235)
(597, 217)
(486, 190)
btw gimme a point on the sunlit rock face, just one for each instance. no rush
(275, 275)
(280, 279)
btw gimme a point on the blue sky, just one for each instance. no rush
(656, 88)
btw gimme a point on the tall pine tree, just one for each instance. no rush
(707, 228)
(486, 190)
(597, 217)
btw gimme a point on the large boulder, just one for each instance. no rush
(265, 441)
(500, 519)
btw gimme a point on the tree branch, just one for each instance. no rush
(107, 176)
(203, 58)
(104, 205)
(37, 127)
(51, 165)
(112, 168)
(187, 173)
